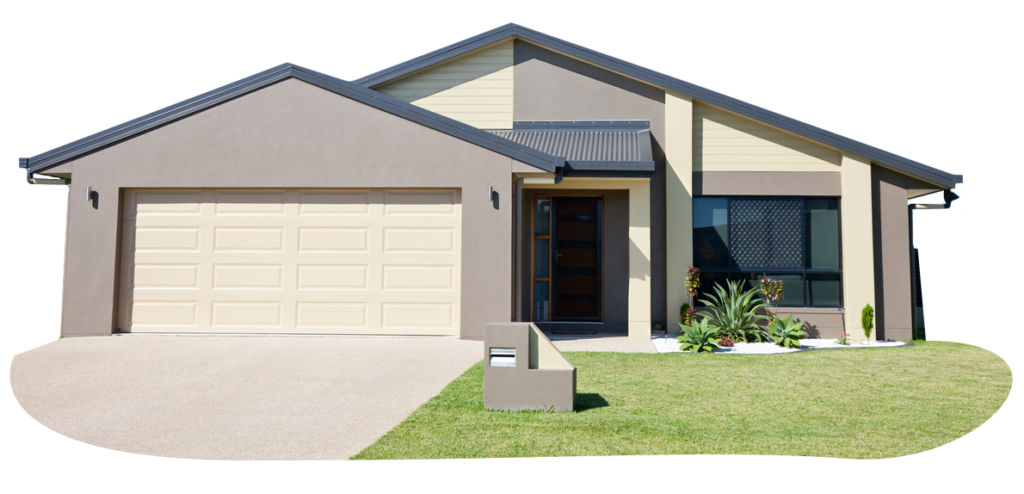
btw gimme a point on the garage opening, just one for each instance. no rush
(304, 261)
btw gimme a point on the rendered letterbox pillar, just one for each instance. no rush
(524, 371)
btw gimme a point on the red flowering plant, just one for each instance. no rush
(687, 311)
(726, 342)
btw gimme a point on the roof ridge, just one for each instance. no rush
(655, 78)
(381, 101)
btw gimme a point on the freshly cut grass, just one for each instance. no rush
(871, 403)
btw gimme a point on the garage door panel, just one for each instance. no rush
(420, 203)
(335, 240)
(248, 203)
(334, 203)
(291, 261)
(406, 240)
(165, 314)
(165, 276)
(312, 277)
(165, 203)
(248, 277)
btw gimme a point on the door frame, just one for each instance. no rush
(552, 236)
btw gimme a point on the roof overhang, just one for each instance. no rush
(885, 158)
(590, 148)
(106, 138)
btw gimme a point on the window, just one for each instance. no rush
(792, 239)
(541, 309)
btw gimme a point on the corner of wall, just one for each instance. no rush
(678, 199)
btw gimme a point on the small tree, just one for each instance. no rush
(867, 318)
(772, 291)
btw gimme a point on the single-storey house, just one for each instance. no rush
(512, 176)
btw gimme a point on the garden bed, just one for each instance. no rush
(670, 345)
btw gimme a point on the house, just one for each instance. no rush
(512, 176)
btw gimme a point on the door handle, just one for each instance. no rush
(557, 255)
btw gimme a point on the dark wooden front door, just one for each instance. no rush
(578, 293)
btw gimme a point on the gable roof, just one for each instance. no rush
(592, 146)
(347, 89)
(872, 153)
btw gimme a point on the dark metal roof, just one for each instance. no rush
(590, 145)
(879, 156)
(356, 92)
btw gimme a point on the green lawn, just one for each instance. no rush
(874, 403)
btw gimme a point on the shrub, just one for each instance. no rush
(867, 318)
(734, 313)
(786, 333)
(843, 340)
(698, 338)
(684, 314)
(726, 342)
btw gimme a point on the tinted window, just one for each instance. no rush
(710, 232)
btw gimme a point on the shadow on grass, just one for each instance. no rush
(588, 401)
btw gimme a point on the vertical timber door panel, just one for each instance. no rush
(340, 261)
(578, 293)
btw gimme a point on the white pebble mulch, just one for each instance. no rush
(670, 345)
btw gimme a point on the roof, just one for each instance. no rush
(872, 153)
(356, 92)
(589, 145)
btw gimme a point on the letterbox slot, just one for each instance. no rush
(503, 357)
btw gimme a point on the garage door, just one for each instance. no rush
(291, 261)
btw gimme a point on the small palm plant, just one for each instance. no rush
(698, 337)
(786, 333)
(734, 313)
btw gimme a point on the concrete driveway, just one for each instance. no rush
(235, 397)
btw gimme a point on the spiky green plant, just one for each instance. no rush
(786, 333)
(698, 337)
(734, 313)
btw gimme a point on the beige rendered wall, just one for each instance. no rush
(475, 88)
(639, 243)
(678, 201)
(288, 135)
(725, 141)
(857, 240)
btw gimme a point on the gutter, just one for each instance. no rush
(32, 179)
(948, 197)
(517, 288)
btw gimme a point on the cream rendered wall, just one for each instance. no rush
(639, 242)
(678, 200)
(725, 141)
(858, 243)
(475, 88)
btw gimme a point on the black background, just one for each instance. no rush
(929, 87)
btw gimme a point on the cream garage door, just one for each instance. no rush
(291, 261)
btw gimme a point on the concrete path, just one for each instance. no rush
(603, 344)
(235, 397)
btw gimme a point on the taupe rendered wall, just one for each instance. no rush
(615, 249)
(762, 183)
(893, 318)
(290, 134)
(522, 387)
(552, 86)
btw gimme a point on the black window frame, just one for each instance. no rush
(733, 271)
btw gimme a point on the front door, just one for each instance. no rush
(577, 283)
